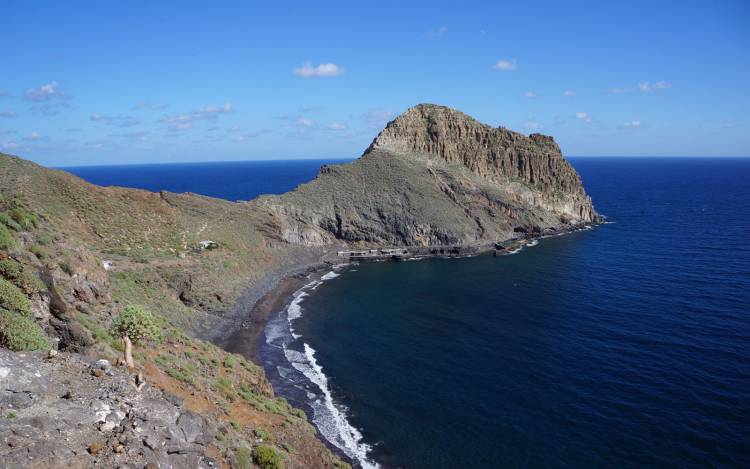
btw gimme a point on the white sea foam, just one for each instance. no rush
(329, 417)
(532, 243)
(329, 275)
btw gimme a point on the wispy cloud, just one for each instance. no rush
(506, 65)
(584, 116)
(44, 93)
(618, 90)
(377, 117)
(8, 131)
(530, 94)
(532, 125)
(630, 125)
(132, 136)
(307, 70)
(241, 137)
(569, 93)
(436, 33)
(147, 106)
(648, 87)
(336, 126)
(36, 137)
(115, 121)
(185, 121)
(7, 113)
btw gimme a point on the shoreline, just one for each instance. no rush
(244, 325)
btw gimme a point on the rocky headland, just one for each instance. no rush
(73, 255)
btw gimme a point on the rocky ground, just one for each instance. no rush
(64, 410)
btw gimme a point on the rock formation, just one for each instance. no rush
(435, 176)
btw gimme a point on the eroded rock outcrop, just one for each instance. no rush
(435, 176)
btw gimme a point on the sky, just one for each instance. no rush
(90, 83)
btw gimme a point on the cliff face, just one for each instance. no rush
(435, 176)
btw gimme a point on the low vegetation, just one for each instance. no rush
(13, 299)
(18, 332)
(266, 457)
(134, 325)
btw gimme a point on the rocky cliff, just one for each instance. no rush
(435, 176)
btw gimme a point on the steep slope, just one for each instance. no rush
(435, 176)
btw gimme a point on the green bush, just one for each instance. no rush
(229, 362)
(19, 332)
(39, 251)
(20, 277)
(24, 218)
(6, 238)
(243, 459)
(266, 457)
(137, 324)
(6, 220)
(262, 433)
(13, 299)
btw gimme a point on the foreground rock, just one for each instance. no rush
(57, 413)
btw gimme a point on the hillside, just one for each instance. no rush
(74, 255)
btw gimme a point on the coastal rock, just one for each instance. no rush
(435, 176)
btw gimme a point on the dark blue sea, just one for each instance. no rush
(623, 346)
(231, 180)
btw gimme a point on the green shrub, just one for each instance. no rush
(13, 299)
(6, 220)
(137, 324)
(266, 457)
(20, 277)
(39, 251)
(43, 240)
(19, 332)
(262, 433)
(6, 238)
(243, 459)
(229, 362)
(26, 219)
(226, 387)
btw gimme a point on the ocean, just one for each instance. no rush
(626, 345)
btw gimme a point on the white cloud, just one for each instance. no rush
(506, 65)
(45, 92)
(11, 145)
(377, 117)
(305, 122)
(648, 87)
(35, 137)
(336, 126)
(569, 93)
(134, 136)
(584, 116)
(530, 94)
(115, 121)
(7, 113)
(435, 33)
(205, 113)
(254, 134)
(531, 125)
(630, 125)
(323, 70)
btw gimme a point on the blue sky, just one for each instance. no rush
(135, 82)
